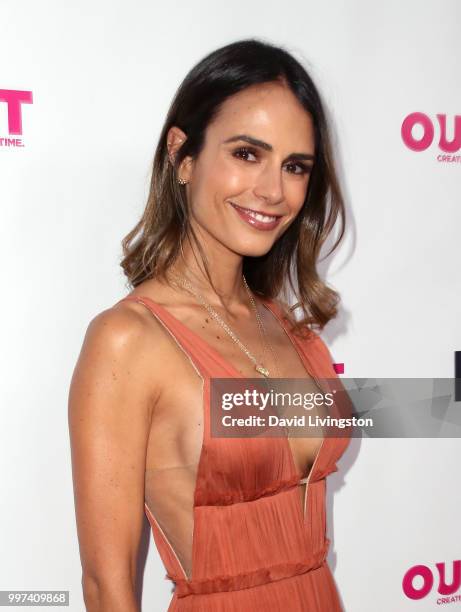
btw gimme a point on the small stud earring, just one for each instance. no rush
(182, 181)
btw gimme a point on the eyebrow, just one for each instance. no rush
(264, 145)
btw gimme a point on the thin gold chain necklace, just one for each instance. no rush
(183, 282)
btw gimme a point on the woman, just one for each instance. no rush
(243, 195)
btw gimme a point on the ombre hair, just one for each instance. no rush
(154, 244)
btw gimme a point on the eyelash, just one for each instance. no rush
(304, 169)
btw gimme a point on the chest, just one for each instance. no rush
(177, 435)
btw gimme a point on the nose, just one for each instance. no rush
(270, 184)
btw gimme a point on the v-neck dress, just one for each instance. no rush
(254, 547)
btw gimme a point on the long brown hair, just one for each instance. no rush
(154, 243)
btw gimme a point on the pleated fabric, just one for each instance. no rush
(254, 548)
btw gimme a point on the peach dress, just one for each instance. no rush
(254, 547)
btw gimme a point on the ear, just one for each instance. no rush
(175, 138)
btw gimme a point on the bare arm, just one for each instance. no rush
(110, 407)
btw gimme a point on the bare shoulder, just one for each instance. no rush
(111, 400)
(123, 324)
(122, 345)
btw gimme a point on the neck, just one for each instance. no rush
(225, 269)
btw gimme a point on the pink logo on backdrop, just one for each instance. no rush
(431, 130)
(14, 99)
(428, 579)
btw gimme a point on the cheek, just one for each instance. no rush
(222, 182)
(230, 178)
(295, 195)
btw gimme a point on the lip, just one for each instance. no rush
(247, 214)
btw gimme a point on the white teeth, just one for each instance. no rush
(257, 216)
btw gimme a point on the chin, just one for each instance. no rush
(248, 249)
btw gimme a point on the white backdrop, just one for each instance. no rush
(102, 75)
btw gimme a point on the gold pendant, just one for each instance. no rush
(262, 370)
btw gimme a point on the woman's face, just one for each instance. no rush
(257, 156)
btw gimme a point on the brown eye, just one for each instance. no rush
(303, 168)
(243, 153)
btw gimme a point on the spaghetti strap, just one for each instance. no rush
(206, 360)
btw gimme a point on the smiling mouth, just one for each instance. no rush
(261, 217)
